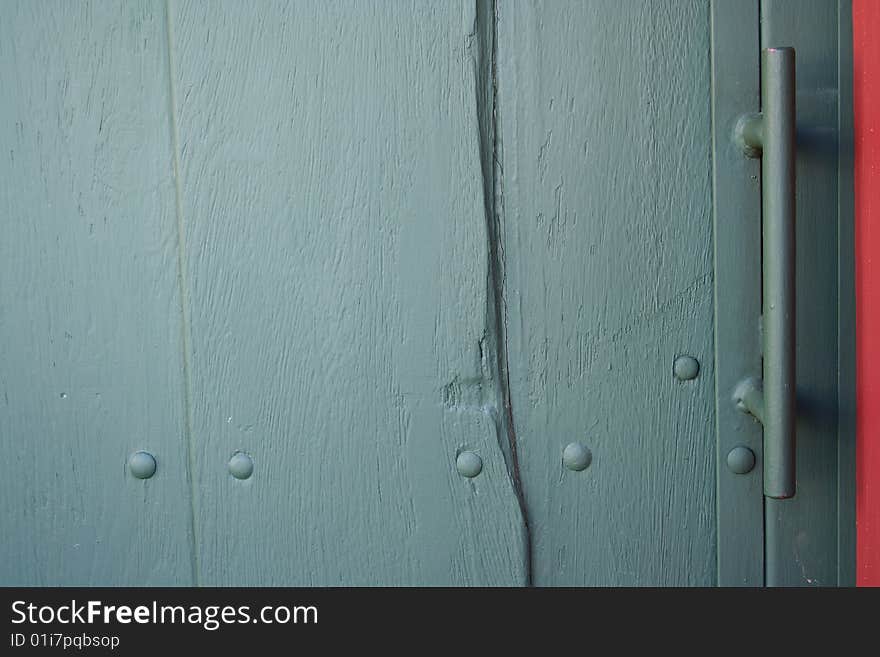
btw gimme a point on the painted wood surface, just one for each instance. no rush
(802, 532)
(866, 87)
(606, 202)
(351, 240)
(337, 273)
(737, 226)
(90, 366)
(846, 304)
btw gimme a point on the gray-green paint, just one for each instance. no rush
(770, 135)
(606, 203)
(802, 533)
(737, 225)
(90, 364)
(778, 268)
(394, 294)
(338, 276)
(846, 336)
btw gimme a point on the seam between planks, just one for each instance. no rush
(497, 310)
(716, 387)
(183, 294)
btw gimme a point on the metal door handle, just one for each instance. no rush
(771, 135)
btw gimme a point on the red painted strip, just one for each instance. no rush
(866, 81)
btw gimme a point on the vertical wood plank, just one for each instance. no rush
(338, 268)
(801, 533)
(737, 209)
(90, 363)
(846, 327)
(606, 151)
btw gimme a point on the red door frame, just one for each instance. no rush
(866, 107)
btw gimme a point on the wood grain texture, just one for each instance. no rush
(846, 300)
(802, 532)
(606, 200)
(90, 361)
(337, 259)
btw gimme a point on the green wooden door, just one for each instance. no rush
(427, 293)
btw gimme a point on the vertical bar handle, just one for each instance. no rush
(772, 134)
(778, 221)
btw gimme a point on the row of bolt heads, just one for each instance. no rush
(469, 464)
(575, 456)
(143, 465)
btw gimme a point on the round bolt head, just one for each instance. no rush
(741, 460)
(469, 464)
(142, 465)
(576, 457)
(241, 466)
(686, 368)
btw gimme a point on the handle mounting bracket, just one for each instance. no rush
(749, 397)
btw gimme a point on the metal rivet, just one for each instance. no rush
(142, 465)
(576, 457)
(241, 466)
(686, 368)
(469, 464)
(741, 460)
